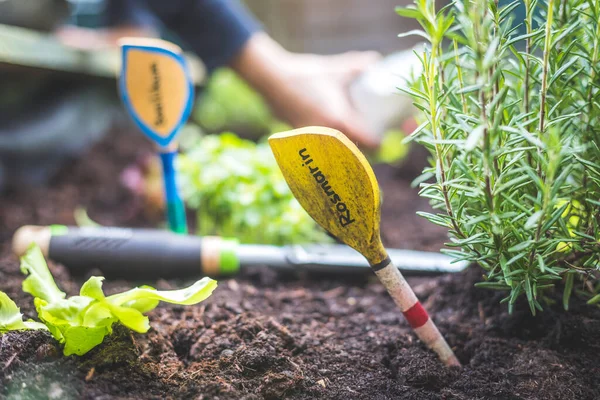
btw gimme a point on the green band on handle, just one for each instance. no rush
(58, 230)
(229, 263)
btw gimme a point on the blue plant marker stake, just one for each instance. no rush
(175, 206)
(157, 90)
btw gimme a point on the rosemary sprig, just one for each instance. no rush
(513, 123)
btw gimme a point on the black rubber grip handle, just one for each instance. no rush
(127, 253)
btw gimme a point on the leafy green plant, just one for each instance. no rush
(512, 122)
(11, 318)
(238, 191)
(81, 322)
(229, 103)
(82, 218)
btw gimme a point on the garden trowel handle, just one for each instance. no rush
(130, 253)
(153, 253)
(404, 297)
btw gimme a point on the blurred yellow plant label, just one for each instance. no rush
(156, 87)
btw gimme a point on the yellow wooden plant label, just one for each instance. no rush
(156, 87)
(334, 183)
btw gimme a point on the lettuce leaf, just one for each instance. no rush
(237, 190)
(81, 322)
(11, 318)
(196, 293)
(39, 282)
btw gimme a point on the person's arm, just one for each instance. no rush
(301, 89)
(215, 30)
(307, 89)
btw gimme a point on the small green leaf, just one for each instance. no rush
(93, 288)
(505, 271)
(492, 285)
(414, 32)
(555, 216)
(39, 282)
(11, 318)
(515, 258)
(193, 294)
(521, 246)
(533, 219)
(541, 263)
(409, 12)
(131, 318)
(82, 218)
(568, 290)
(490, 53)
(474, 138)
(81, 339)
(529, 294)
(10, 315)
(594, 300)
(99, 314)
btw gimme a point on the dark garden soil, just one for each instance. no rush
(262, 336)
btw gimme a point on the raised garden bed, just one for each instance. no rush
(265, 336)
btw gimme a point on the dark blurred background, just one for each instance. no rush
(56, 100)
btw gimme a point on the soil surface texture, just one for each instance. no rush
(265, 336)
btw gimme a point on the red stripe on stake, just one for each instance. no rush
(416, 315)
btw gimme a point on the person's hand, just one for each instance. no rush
(307, 89)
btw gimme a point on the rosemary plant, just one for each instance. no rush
(511, 116)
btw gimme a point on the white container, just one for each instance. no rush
(376, 94)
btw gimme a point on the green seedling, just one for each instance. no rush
(82, 218)
(11, 318)
(237, 191)
(81, 322)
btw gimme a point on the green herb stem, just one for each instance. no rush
(545, 63)
(528, 22)
(593, 63)
(459, 74)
